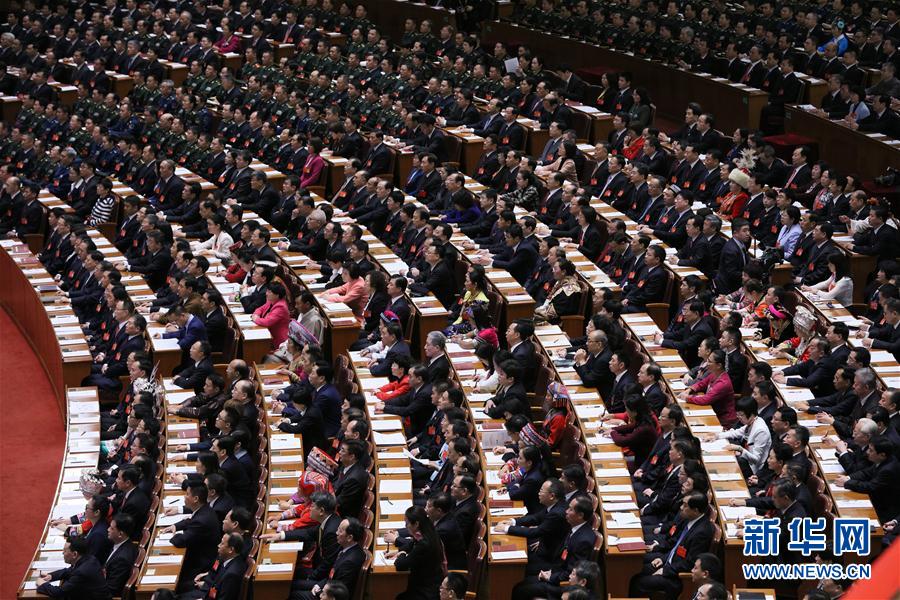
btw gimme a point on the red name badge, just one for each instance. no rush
(811, 266)
(756, 222)
(641, 283)
(654, 459)
(681, 552)
(702, 187)
(617, 273)
(799, 251)
(686, 184)
(565, 553)
(607, 258)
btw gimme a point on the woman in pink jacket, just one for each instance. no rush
(315, 164)
(274, 314)
(353, 292)
(715, 390)
(229, 42)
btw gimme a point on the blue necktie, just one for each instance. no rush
(678, 543)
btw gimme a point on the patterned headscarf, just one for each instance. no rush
(311, 482)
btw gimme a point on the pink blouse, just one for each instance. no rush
(276, 317)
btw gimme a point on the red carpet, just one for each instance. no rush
(31, 456)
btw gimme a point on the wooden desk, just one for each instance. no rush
(51, 329)
(672, 88)
(390, 14)
(82, 452)
(276, 563)
(871, 154)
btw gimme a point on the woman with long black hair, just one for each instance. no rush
(424, 558)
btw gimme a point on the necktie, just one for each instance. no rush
(677, 543)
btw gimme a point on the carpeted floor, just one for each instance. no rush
(32, 439)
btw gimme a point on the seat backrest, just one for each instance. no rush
(360, 588)
(495, 304)
(476, 564)
(248, 575)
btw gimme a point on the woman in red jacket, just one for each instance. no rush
(274, 314)
(638, 434)
(557, 412)
(315, 164)
(714, 390)
(400, 384)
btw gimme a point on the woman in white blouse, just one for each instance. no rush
(219, 241)
(838, 287)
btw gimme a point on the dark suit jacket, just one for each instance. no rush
(696, 542)
(465, 513)
(576, 547)
(547, 527)
(415, 406)
(216, 325)
(154, 268)
(595, 372)
(440, 282)
(226, 580)
(687, 340)
(731, 264)
(521, 264)
(137, 505)
(118, 567)
(199, 536)
(818, 377)
(696, 254)
(349, 489)
(242, 489)
(83, 580)
(347, 566)
(650, 287)
(616, 400)
(194, 376)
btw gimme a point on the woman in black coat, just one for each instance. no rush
(424, 560)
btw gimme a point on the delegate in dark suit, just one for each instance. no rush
(677, 555)
(350, 488)
(83, 580)
(199, 536)
(687, 340)
(731, 264)
(118, 567)
(521, 263)
(577, 546)
(547, 528)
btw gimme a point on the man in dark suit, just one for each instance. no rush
(198, 535)
(511, 397)
(655, 465)
(879, 481)
(816, 268)
(881, 240)
(118, 565)
(465, 508)
(650, 286)
(240, 485)
(106, 371)
(733, 258)
(225, 579)
(518, 338)
(82, 579)
(573, 88)
(511, 135)
(322, 510)
(130, 499)
(577, 546)
(545, 529)
(394, 346)
(439, 279)
(623, 382)
(887, 336)
(213, 319)
(154, 265)
(678, 554)
(378, 159)
(415, 406)
(254, 297)
(695, 252)
(592, 363)
(816, 373)
(351, 478)
(347, 563)
(187, 329)
(687, 339)
(522, 257)
(432, 140)
(882, 119)
(194, 375)
(430, 182)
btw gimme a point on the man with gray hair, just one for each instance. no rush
(168, 188)
(435, 354)
(312, 243)
(852, 456)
